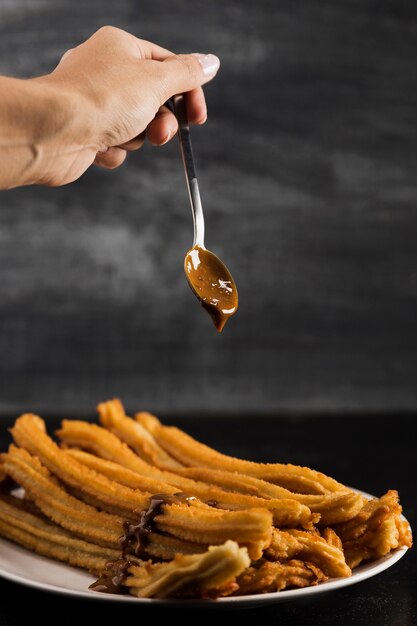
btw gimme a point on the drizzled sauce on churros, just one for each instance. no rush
(113, 577)
(135, 539)
(136, 535)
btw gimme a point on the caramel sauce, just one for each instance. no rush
(135, 539)
(136, 535)
(212, 283)
(112, 578)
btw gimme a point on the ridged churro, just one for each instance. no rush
(112, 416)
(298, 544)
(155, 513)
(50, 540)
(255, 525)
(286, 512)
(333, 507)
(267, 577)
(208, 575)
(376, 530)
(190, 452)
(63, 508)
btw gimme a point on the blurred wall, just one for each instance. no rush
(308, 173)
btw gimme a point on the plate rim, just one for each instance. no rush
(370, 570)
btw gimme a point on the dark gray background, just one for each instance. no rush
(308, 170)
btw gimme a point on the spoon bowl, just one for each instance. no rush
(212, 283)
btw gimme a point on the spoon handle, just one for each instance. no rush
(189, 169)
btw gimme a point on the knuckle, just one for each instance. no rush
(190, 66)
(108, 31)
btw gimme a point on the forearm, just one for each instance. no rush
(39, 124)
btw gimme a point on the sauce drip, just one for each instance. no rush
(135, 538)
(112, 578)
(212, 283)
(136, 535)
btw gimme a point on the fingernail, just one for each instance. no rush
(209, 63)
(167, 137)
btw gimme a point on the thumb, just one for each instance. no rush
(184, 72)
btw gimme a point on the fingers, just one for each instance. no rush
(111, 159)
(162, 128)
(195, 103)
(185, 72)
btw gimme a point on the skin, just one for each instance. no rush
(101, 101)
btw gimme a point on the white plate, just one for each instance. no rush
(24, 567)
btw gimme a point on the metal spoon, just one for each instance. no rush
(207, 275)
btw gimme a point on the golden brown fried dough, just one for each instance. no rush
(332, 507)
(286, 512)
(238, 527)
(375, 530)
(29, 433)
(120, 474)
(112, 416)
(268, 577)
(106, 445)
(308, 547)
(50, 540)
(52, 499)
(192, 453)
(205, 575)
(104, 529)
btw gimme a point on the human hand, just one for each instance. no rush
(114, 87)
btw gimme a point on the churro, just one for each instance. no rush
(191, 452)
(286, 512)
(267, 577)
(54, 501)
(155, 513)
(207, 525)
(376, 530)
(112, 416)
(298, 544)
(50, 540)
(208, 575)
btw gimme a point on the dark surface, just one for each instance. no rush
(307, 168)
(358, 452)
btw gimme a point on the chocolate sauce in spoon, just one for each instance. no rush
(208, 277)
(212, 283)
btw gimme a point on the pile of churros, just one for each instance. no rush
(152, 512)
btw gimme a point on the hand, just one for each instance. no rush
(102, 99)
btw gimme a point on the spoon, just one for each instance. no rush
(208, 277)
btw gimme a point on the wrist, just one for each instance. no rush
(44, 128)
(64, 130)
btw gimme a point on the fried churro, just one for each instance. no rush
(52, 499)
(286, 512)
(197, 522)
(50, 540)
(112, 416)
(29, 433)
(267, 577)
(189, 452)
(332, 507)
(298, 544)
(376, 530)
(211, 574)
(155, 513)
